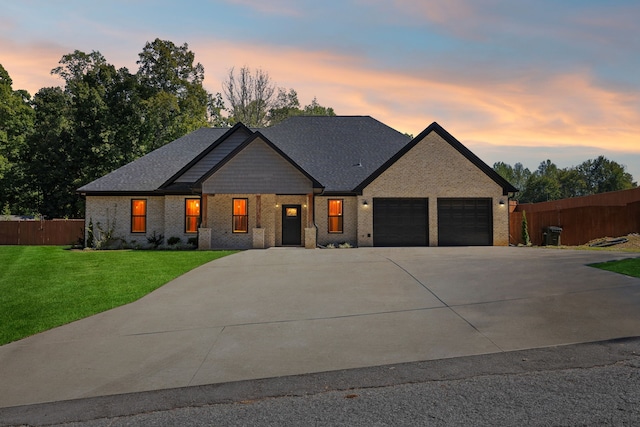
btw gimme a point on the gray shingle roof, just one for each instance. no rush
(341, 151)
(149, 172)
(338, 151)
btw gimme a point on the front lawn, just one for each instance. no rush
(630, 266)
(42, 287)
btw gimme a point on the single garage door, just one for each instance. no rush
(400, 222)
(465, 222)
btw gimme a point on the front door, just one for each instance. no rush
(291, 225)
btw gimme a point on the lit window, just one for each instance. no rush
(240, 216)
(192, 215)
(335, 216)
(138, 216)
(292, 212)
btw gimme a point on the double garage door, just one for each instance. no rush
(405, 222)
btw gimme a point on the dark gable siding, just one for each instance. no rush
(257, 169)
(207, 163)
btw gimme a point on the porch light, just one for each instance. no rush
(365, 204)
(501, 202)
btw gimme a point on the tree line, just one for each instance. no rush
(549, 182)
(103, 117)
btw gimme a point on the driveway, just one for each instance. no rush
(285, 311)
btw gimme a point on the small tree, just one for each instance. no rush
(525, 230)
(90, 242)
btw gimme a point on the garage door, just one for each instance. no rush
(465, 222)
(400, 222)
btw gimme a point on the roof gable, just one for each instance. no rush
(257, 136)
(258, 167)
(447, 137)
(200, 165)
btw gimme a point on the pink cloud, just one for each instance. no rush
(534, 109)
(29, 65)
(566, 109)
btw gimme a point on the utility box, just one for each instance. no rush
(551, 236)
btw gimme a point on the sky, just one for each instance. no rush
(515, 81)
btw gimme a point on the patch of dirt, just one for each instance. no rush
(632, 243)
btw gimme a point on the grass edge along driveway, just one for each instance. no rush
(629, 266)
(42, 287)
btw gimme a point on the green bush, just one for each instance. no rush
(173, 241)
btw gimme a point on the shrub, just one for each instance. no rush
(525, 230)
(156, 240)
(90, 234)
(104, 238)
(173, 241)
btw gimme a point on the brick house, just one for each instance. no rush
(307, 181)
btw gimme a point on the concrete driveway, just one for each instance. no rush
(282, 311)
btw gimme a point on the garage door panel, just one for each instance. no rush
(465, 222)
(400, 222)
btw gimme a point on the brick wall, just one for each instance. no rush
(115, 211)
(349, 221)
(433, 169)
(175, 218)
(165, 215)
(220, 219)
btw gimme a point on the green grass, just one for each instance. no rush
(629, 267)
(42, 287)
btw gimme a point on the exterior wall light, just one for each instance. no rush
(501, 202)
(365, 204)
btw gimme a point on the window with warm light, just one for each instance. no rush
(192, 215)
(335, 215)
(138, 216)
(240, 216)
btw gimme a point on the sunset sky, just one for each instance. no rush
(515, 81)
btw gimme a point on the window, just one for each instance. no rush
(192, 215)
(335, 216)
(292, 212)
(240, 216)
(138, 216)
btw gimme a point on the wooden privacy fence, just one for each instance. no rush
(49, 232)
(582, 219)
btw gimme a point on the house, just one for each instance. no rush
(307, 181)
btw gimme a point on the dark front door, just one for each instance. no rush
(400, 222)
(291, 225)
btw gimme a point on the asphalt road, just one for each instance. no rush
(583, 384)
